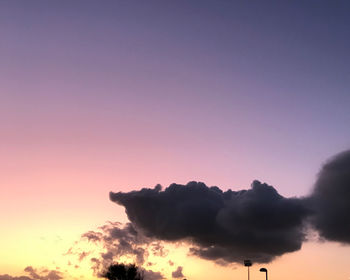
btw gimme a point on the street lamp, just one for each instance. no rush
(263, 269)
(248, 263)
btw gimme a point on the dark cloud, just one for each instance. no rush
(9, 277)
(158, 249)
(114, 241)
(177, 273)
(117, 240)
(34, 274)
(49, 274)
(258, 223)
(330, 199)
(223, 226)
(93, 236)
(83, 255)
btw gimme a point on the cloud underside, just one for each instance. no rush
(257, 223)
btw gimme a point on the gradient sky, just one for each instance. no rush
(99, 96)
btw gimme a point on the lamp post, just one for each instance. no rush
(248, 264)
(263, 269)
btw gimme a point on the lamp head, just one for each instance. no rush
(263, 269)
(247, 263)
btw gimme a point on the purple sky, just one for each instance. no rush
(270, 81)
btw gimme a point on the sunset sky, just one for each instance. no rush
(100, 96)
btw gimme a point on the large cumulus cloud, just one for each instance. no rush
(257, 223)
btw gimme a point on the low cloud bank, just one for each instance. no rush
(34, 274)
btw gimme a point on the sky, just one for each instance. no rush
(100, 96)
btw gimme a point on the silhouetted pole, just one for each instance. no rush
(248, 264)
(263, 269)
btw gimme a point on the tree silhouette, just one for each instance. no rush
(121, 271)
